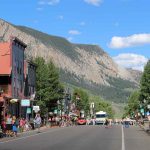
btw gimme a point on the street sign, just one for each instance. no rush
(142, 110)
(36, 109)
(28, 110)
(25, 102)
(55, 111)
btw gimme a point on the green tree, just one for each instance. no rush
(145, 85)
(48, 87)
(101, 105)
(81, 99)
(41, 79)
(54, 89)
(133, 104)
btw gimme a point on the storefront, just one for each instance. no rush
(14, 107)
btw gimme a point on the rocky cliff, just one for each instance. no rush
(88, 63)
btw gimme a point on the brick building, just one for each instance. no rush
(13, 72)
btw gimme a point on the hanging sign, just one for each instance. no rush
(36, 108)
(55, 111)
(148, 106)
(142, 110)
(25, 102)
(28, 110)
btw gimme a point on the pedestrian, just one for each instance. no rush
(8, 125)
(21, 124)
(15, 129)
(106, 123)
(38, 122)
(3, 127)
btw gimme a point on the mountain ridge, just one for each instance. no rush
(83, 62)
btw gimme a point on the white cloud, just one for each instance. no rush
(39, 8)
(74, 32)
(42, 2)
(130, 60)
(94, 2)
(82, 23)
(129, 41)
(53, 2)
(48, 2)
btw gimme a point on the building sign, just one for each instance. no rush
(36, 108)
(25, 102)
(55, 111)
(28, 110)
(142, 110)
(148, 106)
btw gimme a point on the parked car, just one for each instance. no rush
(81, 121)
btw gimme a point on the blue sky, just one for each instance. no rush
(120, 27)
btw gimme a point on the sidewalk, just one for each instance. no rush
(145, 128)
(43, 128)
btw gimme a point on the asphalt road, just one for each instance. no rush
(81, 138)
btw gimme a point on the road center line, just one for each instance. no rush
(123, 143)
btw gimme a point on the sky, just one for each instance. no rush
(120, 27)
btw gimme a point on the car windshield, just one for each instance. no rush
(100, 115)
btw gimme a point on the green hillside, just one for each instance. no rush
(118, 92)
(119, 89)
(54, 41)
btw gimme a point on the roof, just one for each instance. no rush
(101, 112)
(15, 39)
(5, 59)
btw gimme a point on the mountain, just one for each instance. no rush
(83, 65)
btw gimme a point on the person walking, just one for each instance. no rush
(38, 122)
(8, 125)
(106, 123)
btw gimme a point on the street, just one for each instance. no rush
(81, 138)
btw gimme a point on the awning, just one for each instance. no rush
(14, 100)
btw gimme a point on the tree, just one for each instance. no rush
(48, 86)
(133, 104)
(145, 85)
(101, 105)
(81, 99)
(54, 89)
(41, 79)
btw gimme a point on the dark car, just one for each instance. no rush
(81, 121)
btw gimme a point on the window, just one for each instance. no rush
(14, 91)
(21, 86)
(14, 82)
